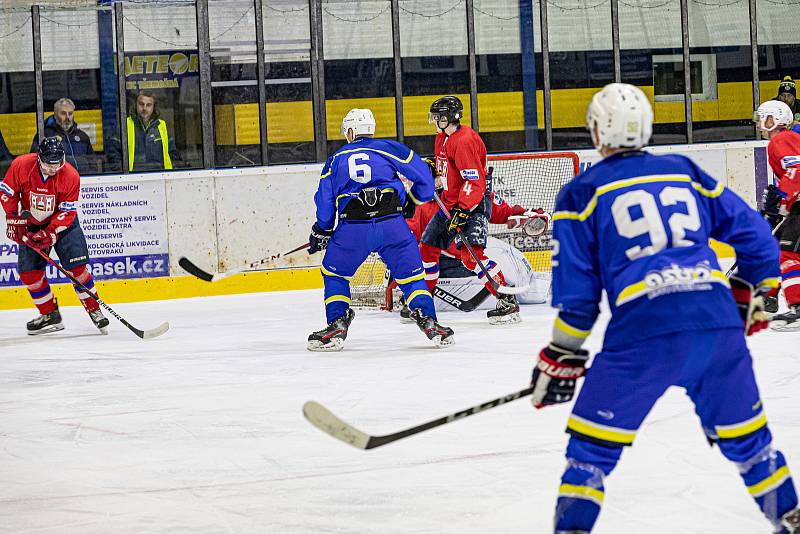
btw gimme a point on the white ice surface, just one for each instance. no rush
(201, 430)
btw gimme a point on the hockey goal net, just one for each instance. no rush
(529, 180)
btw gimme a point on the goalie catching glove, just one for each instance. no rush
(751, 303)
(532, 223)
(556, 375)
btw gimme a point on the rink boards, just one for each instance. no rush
(226, 219)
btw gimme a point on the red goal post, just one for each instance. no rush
(531, 180)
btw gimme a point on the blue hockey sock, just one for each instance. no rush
(581, 493)
(337, 297)
(418, 297)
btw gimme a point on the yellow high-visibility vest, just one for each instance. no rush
(162, 130)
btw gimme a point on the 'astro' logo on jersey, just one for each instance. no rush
(470, 174)
(43, 202)
(675, 279)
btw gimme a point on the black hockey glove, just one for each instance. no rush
(556, 374)
(751, 302)
(458, 219)
(432, 164)
(409, 207)
(771, 202)
(318, 240)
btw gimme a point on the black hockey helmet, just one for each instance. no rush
(51, 151)
(448, 107)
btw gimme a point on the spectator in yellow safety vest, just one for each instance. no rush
(150, 147)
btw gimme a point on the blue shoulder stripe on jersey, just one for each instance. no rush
(628, 182)
(5, 188)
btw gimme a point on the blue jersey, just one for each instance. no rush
(368, 162)
(638, 226)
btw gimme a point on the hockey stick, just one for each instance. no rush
(736, 263)
(143, 334)
(194, 270)
(325, 420)
(508, 290)
(460, 304)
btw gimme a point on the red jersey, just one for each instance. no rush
(783, 153)
(461, 161)
(53, 201)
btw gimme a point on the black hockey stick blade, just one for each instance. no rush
(325, 420)
(461, 304)
(194, 270)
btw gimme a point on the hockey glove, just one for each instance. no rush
(751, 304)
(41, 240)
(771, 201)
(409, 207)
(16, 228)
(556, 374)
(318, 240)
(458, 219)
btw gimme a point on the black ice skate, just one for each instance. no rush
(506, 310)
(331, 338)
(771, 304)
(786, 322)
(791, 522)
(46, 323)
(100, 321)
(405, 312)
(441, 336)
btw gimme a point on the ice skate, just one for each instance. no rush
(441, 336)
(46, 323)
(771, 304)
(331, 338)
(100, 321)
(791, 522)
(405, 312)
(505, 312)
(787, 322)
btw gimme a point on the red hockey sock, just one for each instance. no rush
(790, 274)
(494, 270)
(84, 276)
(39, 288)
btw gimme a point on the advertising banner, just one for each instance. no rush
(126, 230)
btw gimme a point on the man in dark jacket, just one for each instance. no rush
(77, 145)
(787, 93)
(150, 148)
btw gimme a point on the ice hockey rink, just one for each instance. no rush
(201, 430)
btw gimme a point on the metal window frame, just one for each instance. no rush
(261, 80)
(122, 91)
(36, 34)
(206, 101)
(318, 80)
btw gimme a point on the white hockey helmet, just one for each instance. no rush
(780, 112)
(361, 121)
(621, 117)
